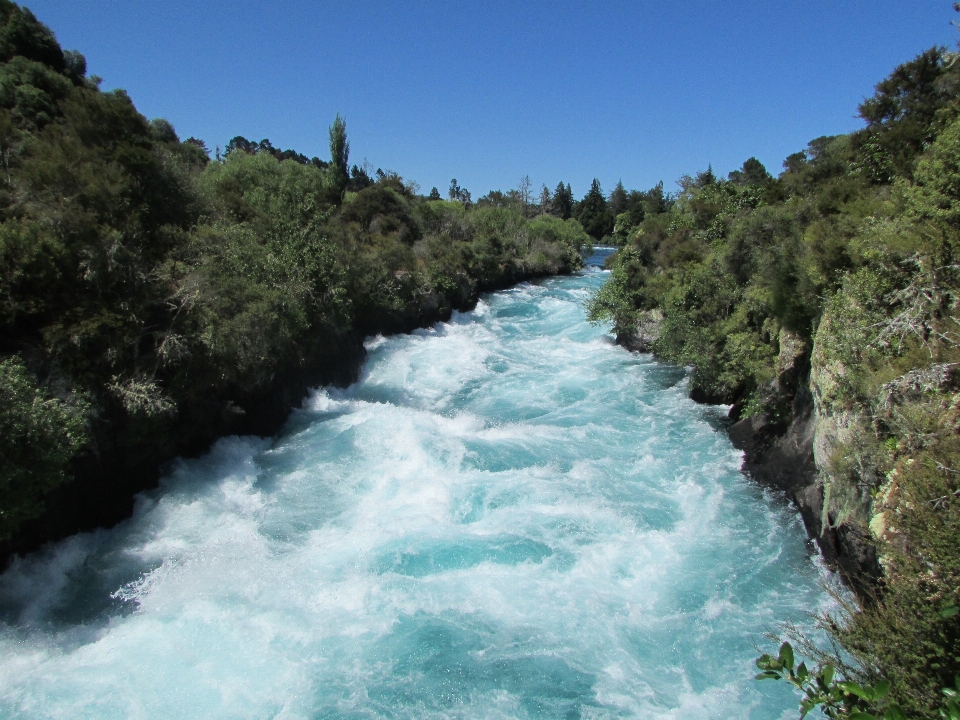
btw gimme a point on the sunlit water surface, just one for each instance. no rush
(507, 517)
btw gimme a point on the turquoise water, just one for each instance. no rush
(507, 517)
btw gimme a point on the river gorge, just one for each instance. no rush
(508, 516)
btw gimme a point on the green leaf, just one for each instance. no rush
(852, 688)
(949, 612)
(857, 715)
(881, 689)
(802, 672)
(765, 662)
(893, 712)
(768, 675)
(826, 674)
(786, 656)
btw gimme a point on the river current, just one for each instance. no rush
(508, 516)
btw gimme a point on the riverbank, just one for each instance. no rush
(506, 514)
(105, 481)
(778, 452)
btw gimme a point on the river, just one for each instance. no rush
(507, 517)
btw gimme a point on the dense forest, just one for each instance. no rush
(153, 298)
(840, 279)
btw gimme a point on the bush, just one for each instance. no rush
(39, 435)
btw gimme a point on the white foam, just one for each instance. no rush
(484, 514)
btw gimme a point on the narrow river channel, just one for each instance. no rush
(507, 517)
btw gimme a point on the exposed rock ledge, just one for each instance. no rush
(782, 457)
(644, 333)
(779, 452)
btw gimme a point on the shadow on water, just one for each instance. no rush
(79, 586)
(662, 376)
(717, 417)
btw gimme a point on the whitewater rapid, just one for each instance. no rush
(507, 517)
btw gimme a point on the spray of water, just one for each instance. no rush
(507, 517)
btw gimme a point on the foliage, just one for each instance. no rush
(823, 689)
(593, 214)
(160, 286)
(39, 434)
(562, 203)
(852, 250)
(339, 155)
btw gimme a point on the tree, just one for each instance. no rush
(904, 114)
(563, 202)
(359, 179)
(653, 202)
(523, 189)
(339, 155)
(496, 198)
(752, 172)
(162, 131)
(22, 34)
(241, 144)
(458, 193)
(38, 437)
(935, 194)
(618, 199)
(546, 201)
(434, 194)
(594, 215)
(705, 178)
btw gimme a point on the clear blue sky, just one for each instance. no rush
(487, 92)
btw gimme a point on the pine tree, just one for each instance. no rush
(562, 205)
(618, 199)
(593, 213)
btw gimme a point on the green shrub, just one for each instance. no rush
(39, 435)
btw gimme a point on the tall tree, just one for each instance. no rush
(563, 202)
(705, 178)
(655, 200)
(523, 190)
(593, 213)
(339, 155)
(903, 115)
(546, 201)
(240, 144)
(618, 199)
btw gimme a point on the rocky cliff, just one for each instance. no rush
(789, 446)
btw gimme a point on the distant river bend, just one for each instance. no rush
(507, 517)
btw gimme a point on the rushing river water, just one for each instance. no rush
(507, 517)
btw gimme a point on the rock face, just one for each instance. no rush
(783, 457)
(644, 333)
(780, 451)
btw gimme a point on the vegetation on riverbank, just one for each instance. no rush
(848, 259)
(148, 290)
